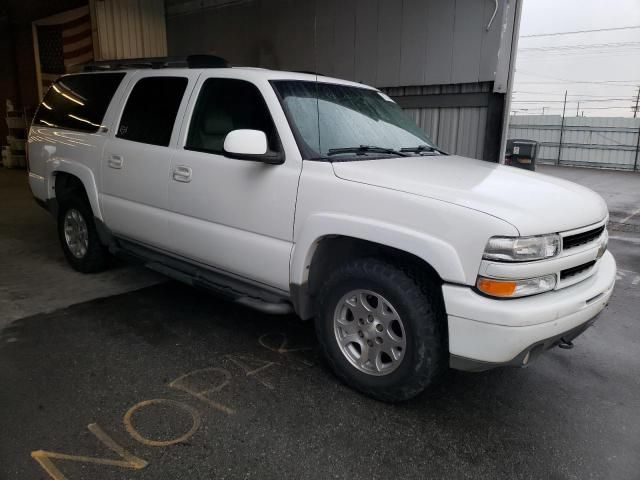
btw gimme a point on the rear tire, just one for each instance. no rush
(78, 236)
(382, 329)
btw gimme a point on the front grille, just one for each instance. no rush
(573, 271)
(581, 238)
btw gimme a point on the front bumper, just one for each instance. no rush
(485, 333)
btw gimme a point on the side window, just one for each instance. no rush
(151, 110)
(78, 102)
(224, 105)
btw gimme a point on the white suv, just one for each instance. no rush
(291, 192)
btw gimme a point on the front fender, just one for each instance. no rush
(439, 254)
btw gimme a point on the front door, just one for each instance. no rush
(136, 160)
(234, 215)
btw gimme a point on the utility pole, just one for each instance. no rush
(564, 107)
(635, 115)
(578, 109)
(635, 163)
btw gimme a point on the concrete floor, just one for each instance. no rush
(34, 275)
(621, 190)
(170, 382)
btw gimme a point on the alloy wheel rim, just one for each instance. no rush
(76, 233)
(369, 332)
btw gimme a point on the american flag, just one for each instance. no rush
(64, 42)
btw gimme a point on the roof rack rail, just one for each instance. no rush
(190, 61)
(309, 72)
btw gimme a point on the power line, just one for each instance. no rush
(586, 108)
(606, 100)
(524, 72)
(579, 56)
(564, 82)
(579, 52)
(569, 95)
(581, 46)
(580, 98)
(555, 34)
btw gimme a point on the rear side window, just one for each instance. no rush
(151, 110)
(224, 105)
(78, 102)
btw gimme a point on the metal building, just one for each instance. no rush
(447, 61)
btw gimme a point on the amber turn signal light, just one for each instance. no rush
(516, 288)
(496, 288)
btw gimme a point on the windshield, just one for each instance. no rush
(337, 121)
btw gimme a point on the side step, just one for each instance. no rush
(244, 293)
(280, 308)
(232, 292)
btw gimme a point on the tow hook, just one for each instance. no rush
(565, 344)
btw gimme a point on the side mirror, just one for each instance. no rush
(250, 145)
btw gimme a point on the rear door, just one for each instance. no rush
(70, 125)
(235, 215)
(136, 159)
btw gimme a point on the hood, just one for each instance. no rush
(533, 203)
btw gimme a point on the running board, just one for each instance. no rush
(280, 308)
(242, 292)
(226, 290)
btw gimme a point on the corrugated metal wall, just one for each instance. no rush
(128, 28)
(459, 130)
(386, 43)
(408, 47)
(605, 142)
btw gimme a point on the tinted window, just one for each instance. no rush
(151, 110)
(225, 105)
(78, 102)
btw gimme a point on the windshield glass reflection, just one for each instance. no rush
(329, 117)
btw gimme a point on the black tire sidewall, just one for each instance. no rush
(95, 258)
(423, 335)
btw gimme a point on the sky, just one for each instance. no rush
(601, 70)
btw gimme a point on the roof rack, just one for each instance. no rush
(190, 61)
(308, 72)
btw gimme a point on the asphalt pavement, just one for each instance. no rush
(168, 382)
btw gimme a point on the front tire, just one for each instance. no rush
(79, 238)
(382, 329)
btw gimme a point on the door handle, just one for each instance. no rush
(182, 174)
(115, 161)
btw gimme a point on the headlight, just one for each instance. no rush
(516, 288)
(522, 249)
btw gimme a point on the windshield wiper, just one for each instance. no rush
(420, 149)
(364, 149)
